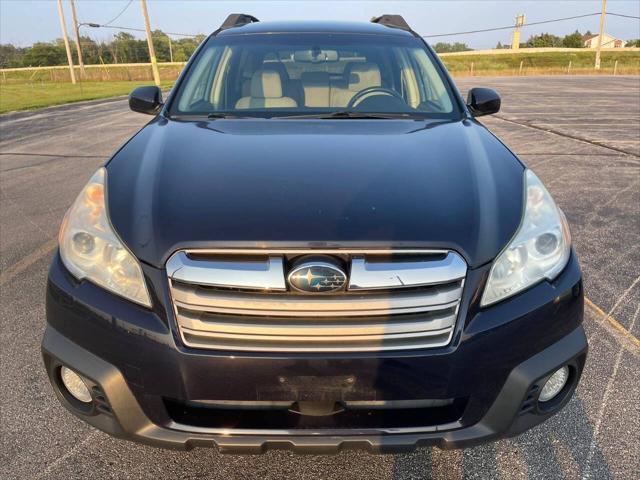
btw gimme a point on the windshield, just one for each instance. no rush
(294, 74)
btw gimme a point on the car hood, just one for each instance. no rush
(287, 182)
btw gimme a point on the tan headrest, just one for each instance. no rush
(278, 67)
(266, 84)
(363, 75)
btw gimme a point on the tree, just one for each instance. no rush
(161, 44)
(184, 47)
(44, 54)
(543, 40)
(11, 56)
(633, 43)
(90, 51)
(444, 47)
(125, 48)
(121, 48)
(573, 40)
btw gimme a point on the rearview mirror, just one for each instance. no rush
(483, 101)
(146, 100)
(315, 55)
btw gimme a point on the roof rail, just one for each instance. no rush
(394, 21)
(237, 20)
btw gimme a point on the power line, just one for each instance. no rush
(118, 15)
(511, 27)
(622, 15)
(506, 27)
(116, 27)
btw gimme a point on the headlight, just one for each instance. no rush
(91, 250)
(539, 250)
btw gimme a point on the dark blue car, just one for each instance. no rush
(314, 245)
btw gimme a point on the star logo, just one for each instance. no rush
(317, 277)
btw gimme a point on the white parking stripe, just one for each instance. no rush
(69, 453)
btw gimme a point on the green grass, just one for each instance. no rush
(542, 63)
(43, 94)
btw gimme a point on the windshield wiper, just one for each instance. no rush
(210, 116)
(216, 115)
(351, 114)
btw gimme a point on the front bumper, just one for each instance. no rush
(127, 420)
(133, 359)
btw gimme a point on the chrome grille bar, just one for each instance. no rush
(238, 300)
(303, 343)
(252, 274)
(367, 275)
(291, 305)
(326, 329)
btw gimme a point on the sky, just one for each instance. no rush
(23, 22)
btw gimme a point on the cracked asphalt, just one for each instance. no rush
(580, 134)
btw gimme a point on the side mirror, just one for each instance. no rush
(146, 100)
(483, 101)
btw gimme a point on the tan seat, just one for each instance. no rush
(358, 76)
(266, 92)
(290, 88)
(246, 87)
(316, 89)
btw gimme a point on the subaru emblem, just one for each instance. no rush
(317, 277)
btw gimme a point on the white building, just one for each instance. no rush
(591, 41)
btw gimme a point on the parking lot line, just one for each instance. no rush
(60, 460)
(548, 129)
(20, 266)
(612, 321)
(605, 398)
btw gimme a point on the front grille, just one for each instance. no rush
(239, 300)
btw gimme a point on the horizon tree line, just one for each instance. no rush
(126, 48)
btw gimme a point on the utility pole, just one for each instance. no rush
(603, 15)
(170, 50)
(63, 26)
(152, 52)
(77, 30)
(515, 40)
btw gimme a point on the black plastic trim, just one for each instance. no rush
(237, 20)
(129, 421)
(393, 21)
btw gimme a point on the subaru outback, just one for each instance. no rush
(314, 244)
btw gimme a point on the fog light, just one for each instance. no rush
(555, 384)
(75, 385)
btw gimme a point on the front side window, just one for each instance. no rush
(309, 73)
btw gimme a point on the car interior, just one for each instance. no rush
(272, 86)
(315, 79)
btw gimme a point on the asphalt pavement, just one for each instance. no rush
(581, 135)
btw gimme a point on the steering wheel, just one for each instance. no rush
(369, 90)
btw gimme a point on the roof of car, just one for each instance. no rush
(315, 27)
